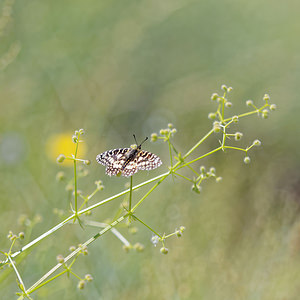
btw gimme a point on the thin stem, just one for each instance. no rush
(200, 157)
(235, 148)
(17, 273)
(130, 194)
(136, 218)
(31, 290)
(75, 252)
(170, 152)
(149, 192)
(186, 178)
(75, 178)
(198, 144)
(67, 220)
(113, 230)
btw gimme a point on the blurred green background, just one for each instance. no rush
(116, 68)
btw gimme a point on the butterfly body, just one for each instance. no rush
(127, 161)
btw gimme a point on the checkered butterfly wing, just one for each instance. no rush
(144, 160)
(120, 161)
(113, 160)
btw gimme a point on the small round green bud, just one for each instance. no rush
(76, 132)
(162, 132)
(72, 248)
(21, 235)
(87, 162)
(81, 131)
(182, 228)
(60, 176)
(212, 116)
(273, 107)
(88, 213)
(229, 89)
(217, 126)
(257, 143)
(212, 170)
(220, 99)
(219, 179)
(153, 137)
(238, 136)
(74, 138)
(228, 104)
(196, 188)
(202, 169)
(249, 102)
(10, 234)
(214, 96)
(247, 160)
(60, 158)
(126, 248)
(98, 183)
(178, 233)
(164, 250)
(170, 125)
(174, 130)
(235, 119)
(265, 113)
(224, 87)
(266, 97)
(138, 247)
(13, 237)
(60, 259)
(81, 284)
(88, 277)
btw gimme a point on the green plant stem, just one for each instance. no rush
(198, 158)
(67, 220)
(130, 194)
(150, 191)
(136, 218)
(235, 148)
(31, 290)
(198, 144)
(17, 273)
(113, 230)
(75, 178)
(186, 178)
(170, 152)
(37, 284)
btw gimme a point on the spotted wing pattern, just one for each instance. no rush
(119, 161)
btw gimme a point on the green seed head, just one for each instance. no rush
(60, 158)
(247, 160)
(214, 96)
(164, 250)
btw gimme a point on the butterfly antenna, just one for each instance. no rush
(144, 141)
(141, 142)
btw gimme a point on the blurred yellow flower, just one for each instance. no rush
(62, 144)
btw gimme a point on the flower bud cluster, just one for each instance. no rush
(164, 134)
(99, 185)
(14, 237)
(77, 134)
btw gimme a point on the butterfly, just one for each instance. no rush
(127, 161)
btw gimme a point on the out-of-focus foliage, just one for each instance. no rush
(116, 68)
